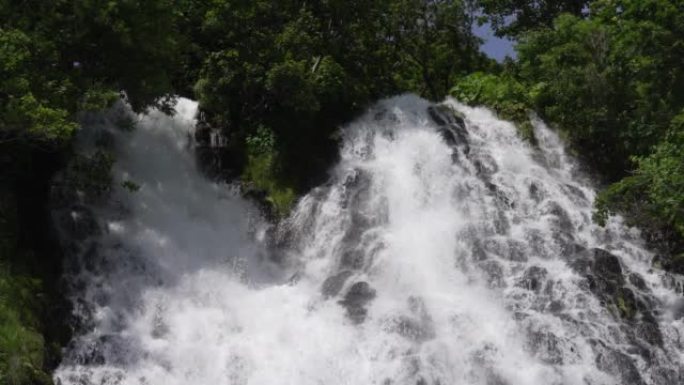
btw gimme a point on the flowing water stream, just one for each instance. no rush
(443, 250)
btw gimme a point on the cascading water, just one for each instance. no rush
(444, 250)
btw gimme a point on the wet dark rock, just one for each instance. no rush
(485, 166)
(555, 307)
(673, 282)
(562, 218)
(678, 309)
(533, 278)
(536, 242)
(667, 376)
(488, 163)
(79, 222)
(507, 249)
(626, 302)
(619, 365)
(355, 300)
(478, 252)
(546, 346)
(604, 278)
(535, 192)
(448, 136)
(352, 259)
(647, 329)
(333, 284)
(607, 264)
(575, 192)
(638, 282)
(443, 115)
(501, 225)
(500, 197)
(451, 126)
(567, 245)
(97, 351)
(493, 273)
(385, 114)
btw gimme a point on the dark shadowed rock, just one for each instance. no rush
(355, 300)
(638, 282)
(619, 365)
(678, 309)
(451, 126)
(647, 329)
(535, 192)
(606, 264)
(562, 218)
(605, 279)
(352, 259)
(533, 278)
(493, 273)
(79, 222)
(332, 285)
(575, 192)
(546, 346)
(448, 136)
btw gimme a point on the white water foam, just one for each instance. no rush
(423, 261)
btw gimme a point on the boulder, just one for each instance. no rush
(333, 284)
(533, 278)
(359, 294)
(451, 126)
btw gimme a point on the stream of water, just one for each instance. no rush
(443, 250)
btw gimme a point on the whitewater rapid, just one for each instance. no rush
(443, 250)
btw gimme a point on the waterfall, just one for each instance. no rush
(443, 250)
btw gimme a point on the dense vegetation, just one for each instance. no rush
(280, 85)
(278, 78)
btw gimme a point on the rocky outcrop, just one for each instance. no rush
(627, 297)
(358, 295)
(451, 126)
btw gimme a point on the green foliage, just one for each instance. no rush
(90, 174)
(98, 99)
(654, 195)
(304, 68)
(261, 170)
(60, 57)
(515, 17)
(609, 81)
(39, 121)
(262, 141)
(625, 304)
(21, 344)
(502, 93)
(130, 186)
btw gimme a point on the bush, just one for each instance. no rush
(505, 95)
